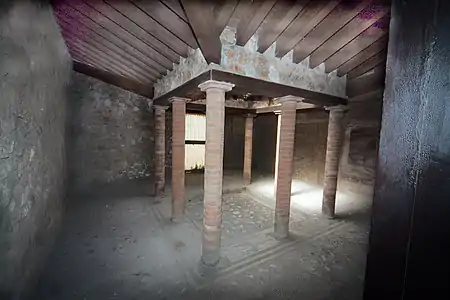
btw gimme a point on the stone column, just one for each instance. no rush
(212, 211)
(247, 176)
(334, 145)
(178, 145)
(160, 149)
(285, 165)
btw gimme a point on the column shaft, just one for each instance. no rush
(277, 152)
(247, 176)
(212, 211)
(160, 150)
(334, 144)
(178, 153)
(285, 165)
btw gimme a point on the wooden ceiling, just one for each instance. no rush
(137, 42)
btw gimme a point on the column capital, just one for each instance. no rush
(342, 108)
(289, 98)
(178, 99)
(213, 84)
(160, 107)
(277, 112)
(250, 115)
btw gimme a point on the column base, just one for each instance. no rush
(210, 258)
(179, 219)
(281, 231)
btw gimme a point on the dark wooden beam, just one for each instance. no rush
(248, 26)
(125, 41)
(365, 39)
(376, 60)
(311, 15)
(247, 85)
(364, 55)
(201, 108)
(174, 5)
(150, 25)
(201, 17)
(340, 16)
(366, 18)
(223, 11)
(168, 19)
(281, 15)
(367, 83)
(81, 57)
(119, 81)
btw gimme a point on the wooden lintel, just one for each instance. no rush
(114, 79)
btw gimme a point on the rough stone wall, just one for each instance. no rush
(35, 70)
(112, 134)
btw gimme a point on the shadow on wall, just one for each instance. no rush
(111, 134)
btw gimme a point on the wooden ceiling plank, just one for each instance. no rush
(362, 41)
(338, 17)
(75, 24)
(281, 15)
(148, 24)
(93, 56)
(87, 37)
(201, 17)
(80, 57)
(115, 21)
(223, 11)
(148, 56)
(174, 5)
(242, 11)
(312, 14)
(128, 31)
(74, 40)
(168, 19)
(114, 79)
(248, 26)
(374, 61)
(366, 18)
(363, 55)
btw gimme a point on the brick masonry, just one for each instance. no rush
(178, 153)
(160, 149)
(358, 161)
(333, 154)
(35, 70)
(212, 214)
(112, 134)
(285, 166)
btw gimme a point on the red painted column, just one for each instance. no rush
(160, 149)
(212, 211)
(248, 148)
(285, 165)
(334, 145)
(178, 153)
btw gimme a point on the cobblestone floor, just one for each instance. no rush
(127, 248)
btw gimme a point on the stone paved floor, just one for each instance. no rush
(119, 247)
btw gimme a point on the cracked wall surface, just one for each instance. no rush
(245, 60)
(35, 70)
(111, 134)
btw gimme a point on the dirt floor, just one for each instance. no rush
(119, 243)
